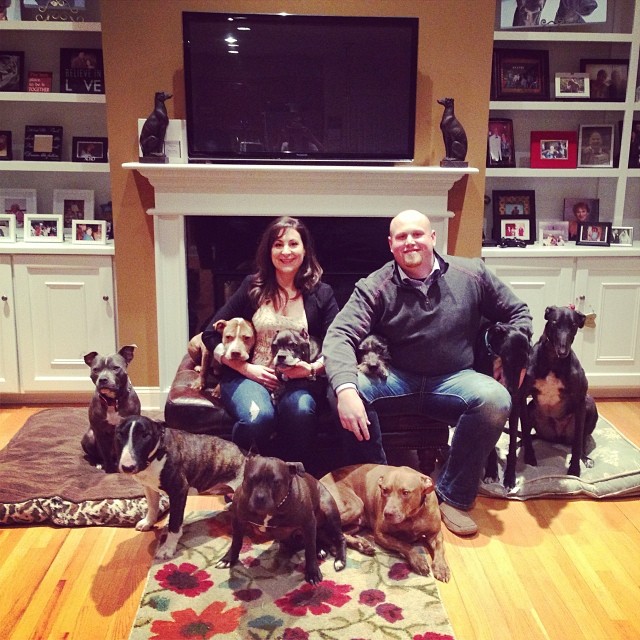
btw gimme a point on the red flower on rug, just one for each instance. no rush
(186, 579)
(432, 635)
(316, 600)
(390, 612)
(211, 622)
(399, 571)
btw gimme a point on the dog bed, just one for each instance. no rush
(615, 472)
(45, 479)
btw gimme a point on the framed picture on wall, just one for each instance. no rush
(520, 74)
(500, 144)
(554, 150)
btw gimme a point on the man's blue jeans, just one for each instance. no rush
(287, 430)
(477, 405)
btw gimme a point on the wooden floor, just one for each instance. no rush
(547, 569)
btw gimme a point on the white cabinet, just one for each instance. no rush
(607, 285)
(63, 308)
(9, 382)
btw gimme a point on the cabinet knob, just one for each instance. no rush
(105, 298)
(582, 298)
(4, 298)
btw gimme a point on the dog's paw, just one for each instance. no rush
(321, 554)
(313, 575)
(166, 551)
(441, 571)
(339, 564)
(223, 564)
(420, 564)
(144, 525)
(588, 462)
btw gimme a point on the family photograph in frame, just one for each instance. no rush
(43, 228)
(89, 149)
(94, 231)
(73, 204)
(520, 74)
(596, 145)
(6, 146)
(571, 86)
(553, 234)
(500, 145)
(7, 228)
(18, 202)
(607, 77)
(514, 215)
(622, 236)
(594, 234)
(554, 150)
(580, 210)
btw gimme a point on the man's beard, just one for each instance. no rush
(413, 259)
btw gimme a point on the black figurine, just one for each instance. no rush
(154, 130)
(455, 139)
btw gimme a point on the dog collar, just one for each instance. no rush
(487, 344)
(109, 402)
(158, 452)
(286, 496)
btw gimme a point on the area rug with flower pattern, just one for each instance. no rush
(264, 596)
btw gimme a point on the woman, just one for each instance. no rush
(284, 293)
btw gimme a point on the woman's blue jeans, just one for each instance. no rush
(286, 430)
(477, 405)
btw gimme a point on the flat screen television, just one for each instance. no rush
(298, 88)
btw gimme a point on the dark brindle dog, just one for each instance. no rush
(374, 357)
(288, 348)
(560, 410)
(282, 499)
(502, 352)
(171, 461)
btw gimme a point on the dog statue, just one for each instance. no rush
(560, 409)
(374, 357)
(171, 461)
(502, 352)
(400, 507)
(114, 400)
(455, 138)
(282, 499)
(154, 130)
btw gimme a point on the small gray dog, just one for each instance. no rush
(113, 400)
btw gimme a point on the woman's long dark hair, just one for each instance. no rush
(265, 286)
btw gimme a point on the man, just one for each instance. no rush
(429, 309)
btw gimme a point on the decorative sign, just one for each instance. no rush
(81, 71)
(42, 143)
(40, 81)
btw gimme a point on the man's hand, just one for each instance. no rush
(352, 414)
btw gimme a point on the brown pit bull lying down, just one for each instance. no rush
(400, 507)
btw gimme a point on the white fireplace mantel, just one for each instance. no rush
(272, 190)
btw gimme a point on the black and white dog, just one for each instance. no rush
(171, 461)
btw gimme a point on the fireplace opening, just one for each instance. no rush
(221, 251)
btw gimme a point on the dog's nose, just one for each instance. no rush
(127, 468)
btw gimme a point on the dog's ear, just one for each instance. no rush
(296, 468)
(253, 450)
(305, 351)
(220, 325)
(304, 334)
(579, 318)
(88, 359)
(427, 485)
(127, 352)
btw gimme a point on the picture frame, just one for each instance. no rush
(572, 86)
(7, 228)
(634, 145)
(59, 11)
(40, 82)
(513, 15)
(514, 207)
(89, 149)
(43, 143)
(500, 143)
(607, 77)
(11, 13)
(594, 234)
(94, 231)
(12, 64)
(81, 71)
(553, 234)
(43, 228)
(554, 149)
(520, 74)
(73, 204)
(6, 146)
(622, 236)
(596, 145)
(576, 210)
(18, 202)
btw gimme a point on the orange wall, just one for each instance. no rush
(142, 44)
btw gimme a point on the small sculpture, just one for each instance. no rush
(455, 139)
(154, 130)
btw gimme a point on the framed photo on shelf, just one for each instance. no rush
(7, 228)
(594, 234)
(81, 71)
(553, 234)
(59, 11)
(571, 86)
(18, 203)
(6, 146)
(514, 215)
(577, 210)
(634, 145)
(608, 78)
(516, 14)
(73, 204)
(554, 149)
(94, 231)
(12, 12)
(500, 144)
(12, 65)
(43, 143)
(89, 149)
(622, 236)
(595, 145)
(43, 228)
(520, 74)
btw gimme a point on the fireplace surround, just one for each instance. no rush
(271, 190)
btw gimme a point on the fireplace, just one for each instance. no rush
(318, 192)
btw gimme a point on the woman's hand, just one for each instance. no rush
(262, 375)
(301, 370)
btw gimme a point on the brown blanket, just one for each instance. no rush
(44, 477)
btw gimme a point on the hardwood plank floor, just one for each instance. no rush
(540, 569)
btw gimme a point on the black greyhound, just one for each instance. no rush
(560, 409)
(502, 352)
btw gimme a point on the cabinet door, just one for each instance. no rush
(540, 282)
(9, 382)
(64, 309)
(610, 352)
